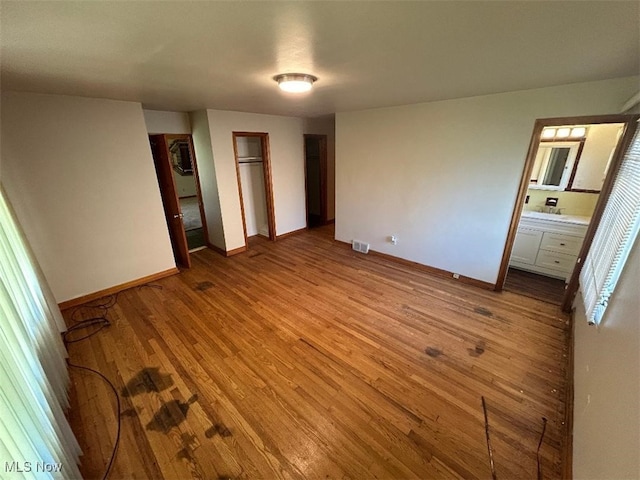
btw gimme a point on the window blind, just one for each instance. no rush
(36, 440)
(614, 236)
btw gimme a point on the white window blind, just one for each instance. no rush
(36, 440)
(614, 237)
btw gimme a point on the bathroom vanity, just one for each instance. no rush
(548, 244)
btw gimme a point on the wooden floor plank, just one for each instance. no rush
(304, 359)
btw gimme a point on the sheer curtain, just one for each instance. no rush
(36, 440)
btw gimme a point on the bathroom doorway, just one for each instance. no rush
(177, 173)
(253, 169)
(568, 173)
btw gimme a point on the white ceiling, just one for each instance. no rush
(186, 56)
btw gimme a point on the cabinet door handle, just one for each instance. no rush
(556, 261)
(562, 244)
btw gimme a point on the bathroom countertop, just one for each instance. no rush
(552, 217)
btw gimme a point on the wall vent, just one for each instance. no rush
(359, 246)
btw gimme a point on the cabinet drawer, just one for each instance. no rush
(561, 243)
(556, 261)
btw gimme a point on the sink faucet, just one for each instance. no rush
(559, 211)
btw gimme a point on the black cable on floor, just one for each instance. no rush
(115, 392)
(544, 428)
(101, 321)
(489, 449)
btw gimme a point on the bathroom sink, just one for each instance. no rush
(552, 217)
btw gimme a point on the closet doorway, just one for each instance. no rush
(253, 169)
(315, 156)
(177, 173)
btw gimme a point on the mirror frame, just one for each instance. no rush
(575, 147)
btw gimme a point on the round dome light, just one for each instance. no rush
(295, 82)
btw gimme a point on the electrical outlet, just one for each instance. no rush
(456, 276)
(393, 239)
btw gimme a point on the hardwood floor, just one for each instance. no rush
(536, 286)
(303, 359)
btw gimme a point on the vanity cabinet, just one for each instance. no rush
(548, 246)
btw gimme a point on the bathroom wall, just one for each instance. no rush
(572, 203)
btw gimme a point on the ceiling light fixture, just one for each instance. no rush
(295, 82)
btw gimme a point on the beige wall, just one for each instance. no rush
(160, 121)
(607, 384)
(326, 126)
(287, 164)
(572, 203)
(208, 178)
(443, 176)
(80, 175)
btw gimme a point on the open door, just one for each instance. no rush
(159, 149)
(315, 154)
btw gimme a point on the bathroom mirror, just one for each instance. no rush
(181, 157)
(553, 165)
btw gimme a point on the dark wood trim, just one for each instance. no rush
(74, 302)
(438, 272)
(293, 232)
(623, 144)
(574, 170)
(235, 251)
(587, 120)
(226, 253)
(219, 250)
(268, 182)
(582, 190)
(268, 185)
(240, 196)
(161, 154)
(566, 448)
(519, 203)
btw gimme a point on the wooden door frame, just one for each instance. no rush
(268, 182)
(323, 177)
(630, 127)
(196, 178)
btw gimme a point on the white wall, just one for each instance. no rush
(443, 176)
(208, 178)
(80, 175)
(287, 169)
(326, 126)
(254, 199)
(159, 121)
(185, 185)
(606, 427)
(597, 152)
